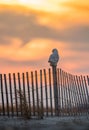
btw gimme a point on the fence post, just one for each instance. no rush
(53, 59)
(55, 89)
(50, 85)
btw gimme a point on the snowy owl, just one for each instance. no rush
(54, 58)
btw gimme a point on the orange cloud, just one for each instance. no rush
(34, 50)
(77, 6)
(8, 50)
(71, 14)
(63, 20)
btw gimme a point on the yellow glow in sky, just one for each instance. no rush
(45, 5)
(30, 1)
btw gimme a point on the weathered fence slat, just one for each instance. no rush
(2, 94)
(50, 85)
(86, 92)
(74, 95)
(73, 90)
(61, 84)
(58, 85)
(11, 96)
(41, 85)
(64, 92)
(67, 95)
(37, 94)
(32, 82)
(81, 99)
(46, 92)
(86, 89)
(19, 87)
(88, 80)
(71, 95)
(28, 86)
(7, 100)
(78, 95)
(15, 90)
(23, 80)
(82, 95)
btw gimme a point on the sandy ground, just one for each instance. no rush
(48, 123)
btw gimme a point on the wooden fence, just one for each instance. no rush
(33, 92)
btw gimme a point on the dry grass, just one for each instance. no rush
(23, 105)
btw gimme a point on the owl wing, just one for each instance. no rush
(51, 58)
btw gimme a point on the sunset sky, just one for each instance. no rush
(30, 29)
